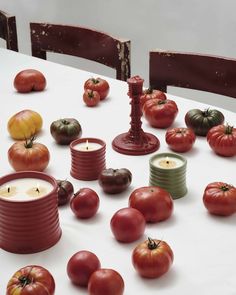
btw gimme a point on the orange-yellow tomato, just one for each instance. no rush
(24, 124)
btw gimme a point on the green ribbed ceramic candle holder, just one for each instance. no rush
(168, 170)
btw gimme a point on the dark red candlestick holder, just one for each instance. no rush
(135, 141)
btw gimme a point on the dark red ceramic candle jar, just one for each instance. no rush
(29, 220)
(87, 158)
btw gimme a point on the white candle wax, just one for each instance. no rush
(168, 162)
(87, 146)
(25, 189)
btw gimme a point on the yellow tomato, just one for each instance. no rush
(24, 124)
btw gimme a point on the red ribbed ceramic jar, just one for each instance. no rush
(28, 225)
(87, 163)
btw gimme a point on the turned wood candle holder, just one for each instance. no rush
(135, 141)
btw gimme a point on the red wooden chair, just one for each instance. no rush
(82, 42)
(8, 30)
(194, 71)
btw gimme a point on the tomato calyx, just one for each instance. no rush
(206, 112)
(228, 129)
(24, 281)
(95, 81)
(148, 91)
(90, 94)
(29, 143)
(161, 101)
(152, 244)
(225, 187)
(65, 122)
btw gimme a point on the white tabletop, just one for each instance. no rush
(204, 246)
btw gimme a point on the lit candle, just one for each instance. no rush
(87, 146)
(7, 191)
(24, 189)
(167, 162)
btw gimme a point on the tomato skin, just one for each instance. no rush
(153, 202)
(29, 80)
(152, 263)
(91, 98)
(98, 84)
(81, 266)
(149, 94)
(222, 139)
(127, 225)
(41, 282)
(85, 203)
(180, 140)
(202, 121)
(24, 124)
(64, 192)
(219, 198)
(106, 282)
(33, 158)
(114, 181)
(160, 113)
(64, 131)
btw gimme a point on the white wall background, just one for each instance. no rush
(207, 26)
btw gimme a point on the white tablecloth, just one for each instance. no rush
(204, 246)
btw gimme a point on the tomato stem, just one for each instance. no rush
(29, 143)
(148, 91)
(152, 244)
(95, 81)
(225, 187)
(25, 280)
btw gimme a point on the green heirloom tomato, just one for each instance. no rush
(64, 131)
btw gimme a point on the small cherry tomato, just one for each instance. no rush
(105, 281)
(64, 192)
(152, 258)
(85, 203)
(81, 266)
(91, 97)
(128, 225)
(180, 139)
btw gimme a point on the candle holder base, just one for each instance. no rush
(124, 144)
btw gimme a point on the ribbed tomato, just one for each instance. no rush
(28, 155)
(160, 113)
(152, 258)
(31, 280)
(149, 94)
(222, 139)
(220, 198)
(180, 139)
(24, 124)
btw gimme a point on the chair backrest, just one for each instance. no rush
(8, 30)
(82, 42)
(194, 71)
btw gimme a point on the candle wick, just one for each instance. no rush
(37, 190)
(87, 148)
(8, 189)
(167, 162)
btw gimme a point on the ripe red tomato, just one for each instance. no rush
(149, 94)
(220, 198)
(128, 225)
(81, 266)
(64, 192)
(29, 80)
(98, 84)
(222, 139)
(160, 113)
(31, 280)
(85, 203)
(152, 258)
(153, 202)
(91, 98)
(180, 139)
(28, 155)
(106, 281)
